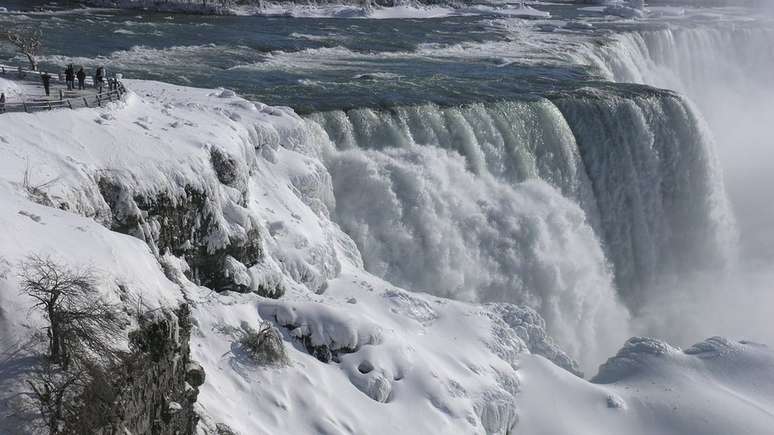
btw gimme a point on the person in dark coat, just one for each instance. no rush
(70, 77)
(46, 83)
(81, 74)
(2, 102)
(99, 78)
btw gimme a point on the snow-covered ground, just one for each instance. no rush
(402, 362)
(11, 88)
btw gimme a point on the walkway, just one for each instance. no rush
(27, 93)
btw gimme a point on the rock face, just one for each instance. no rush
(157, 395)
(216, 236)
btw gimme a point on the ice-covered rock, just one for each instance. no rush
(531, 328)
(323, 326)
(624, 11)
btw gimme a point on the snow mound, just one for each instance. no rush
(531, 328)
(323, 325)
(633, 357)
(716, 387)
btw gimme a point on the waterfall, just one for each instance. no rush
(586, 205)
(452, 202)
(512, 141)
(560, 204)
(688, 60)
(726, 70)
(657, 184)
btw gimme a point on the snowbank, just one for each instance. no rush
(10, 88)
(714, 387)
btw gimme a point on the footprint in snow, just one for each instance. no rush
(142, 125)
(32, 216)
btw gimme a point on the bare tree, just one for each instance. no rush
(53, 395)
(78, 319)
(28, 42)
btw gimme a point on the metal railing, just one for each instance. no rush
(66, 98)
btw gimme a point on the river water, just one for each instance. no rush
(327, 63)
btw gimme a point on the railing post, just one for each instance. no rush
(24, 103)
(99, 103)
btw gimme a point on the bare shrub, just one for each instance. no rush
(263, 346)
(79, 321)
(37, 192)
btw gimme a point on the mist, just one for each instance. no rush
(729, 79)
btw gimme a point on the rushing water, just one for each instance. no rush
(500, 159)
(315, 64)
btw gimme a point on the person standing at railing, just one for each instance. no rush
(81, 74)
(46, 83)
(2, 102)
(70, 77)
(99, 79)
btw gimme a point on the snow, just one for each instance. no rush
(403, 361)
(725, 389)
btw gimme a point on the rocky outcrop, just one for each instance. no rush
(217, 237)
(159, 386)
